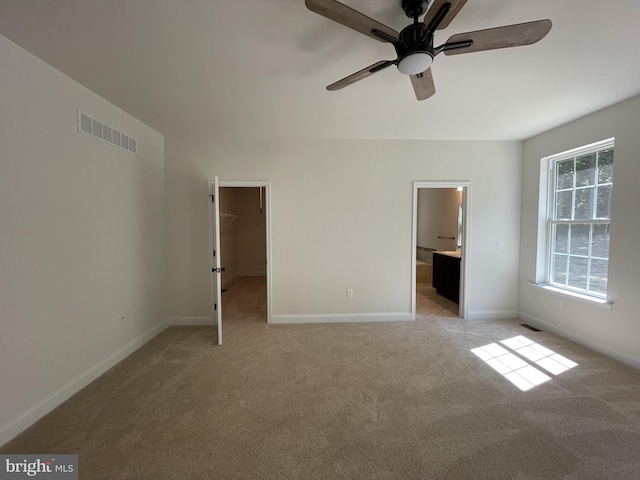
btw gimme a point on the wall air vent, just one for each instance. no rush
(530, 327)
(110, 135)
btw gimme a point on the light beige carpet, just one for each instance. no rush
(405, 400)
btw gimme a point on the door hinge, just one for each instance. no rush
(214, 253)
(213, 198)
(215, 306)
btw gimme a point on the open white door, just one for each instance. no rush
(214, 244)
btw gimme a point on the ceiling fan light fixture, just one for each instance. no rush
(414, 44)
(415, 63)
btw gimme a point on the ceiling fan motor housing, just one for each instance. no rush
(411, 38)
(415, 53)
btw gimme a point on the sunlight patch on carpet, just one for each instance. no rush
(516, 368)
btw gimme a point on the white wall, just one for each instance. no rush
(81, 243)
(613, 332)
(341, 218)
(438, 217)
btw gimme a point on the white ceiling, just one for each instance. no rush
(258, 68)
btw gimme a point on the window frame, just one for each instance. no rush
(550, 220)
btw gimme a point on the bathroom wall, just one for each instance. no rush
(438, 216)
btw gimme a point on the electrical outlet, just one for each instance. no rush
(349, 293)
(558, 303)
(118, 321)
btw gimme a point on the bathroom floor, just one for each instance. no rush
(428, 302)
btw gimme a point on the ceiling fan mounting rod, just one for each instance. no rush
(415, 8)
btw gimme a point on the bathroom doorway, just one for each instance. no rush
(439, 248)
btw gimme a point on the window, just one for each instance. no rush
(579, 219)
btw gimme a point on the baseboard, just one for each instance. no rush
(342, 317)
(580, 340)
(39, 410)
(228, 280)
(191, 321)
(491, 314)
(235, 276)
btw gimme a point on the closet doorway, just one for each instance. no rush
(243, 239)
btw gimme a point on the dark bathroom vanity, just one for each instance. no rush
(446, 274)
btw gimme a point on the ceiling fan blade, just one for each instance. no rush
(456, 5)
(351, 18)
(364, 73)
(500, 37)
(423, 86)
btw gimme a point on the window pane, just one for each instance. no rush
(578, 245)
(584, 207)
(605, 166)
(564, 174)
(561, 233)
(578, 272)
(563, 205)
(604, 202)
(599, 274)
(559, 269)
(600, 241)
(580, 239)
(586, 170)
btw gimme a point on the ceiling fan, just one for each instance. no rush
(414, 44)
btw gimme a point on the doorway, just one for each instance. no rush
(241, 248)
(440, 239)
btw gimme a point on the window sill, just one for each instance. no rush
(578, 296)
